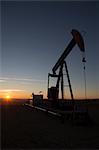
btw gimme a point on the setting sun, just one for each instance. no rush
(7, 97)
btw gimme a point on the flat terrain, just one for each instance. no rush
(23, 127)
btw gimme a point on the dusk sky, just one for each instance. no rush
(35, 34)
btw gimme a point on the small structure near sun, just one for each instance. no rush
(37, 98)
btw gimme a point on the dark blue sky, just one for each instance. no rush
(34, 35)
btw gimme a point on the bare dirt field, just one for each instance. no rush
(23, 127)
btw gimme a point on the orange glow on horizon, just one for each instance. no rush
(22, 94)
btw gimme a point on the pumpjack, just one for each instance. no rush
(53, 92)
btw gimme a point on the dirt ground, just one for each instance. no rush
(23, 127)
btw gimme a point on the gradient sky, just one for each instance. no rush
(35, 34)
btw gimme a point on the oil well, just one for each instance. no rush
(53, 104)
(53, 92)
